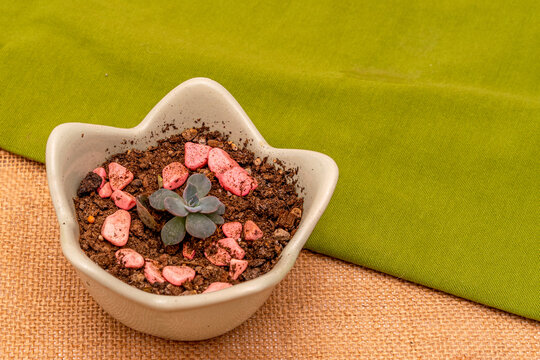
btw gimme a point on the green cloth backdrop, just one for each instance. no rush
(430, 108)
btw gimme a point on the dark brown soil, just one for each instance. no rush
(89, 184)
(274, 205)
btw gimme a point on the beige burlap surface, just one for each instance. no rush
(324, 309)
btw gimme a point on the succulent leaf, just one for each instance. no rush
(174, 231)
(157, 198)
(144, 214)
(160, 181)
(194, 201)
(209, 204)
(201, 183)
(194, 209)
(199, 226)
(217, 219)
(190, 195)
(220, 210)
(175, 206)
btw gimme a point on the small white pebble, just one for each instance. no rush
(282, 234)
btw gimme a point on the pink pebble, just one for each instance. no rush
(252, 231)
(177, 275)
(232, 229)
(101, 172)
(187, 252)
(123, 200)
(237, 181)
(105, 191)
(232, 247)
(215, 286)
(196, 155)
(237, 267)
(116, 227)
(219, 161)
(217, 255)
(119, 176)
(152, 273)
(174, 175)
(129, 258)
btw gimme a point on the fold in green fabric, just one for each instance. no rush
(431, 110)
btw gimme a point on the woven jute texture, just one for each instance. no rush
(324, 309)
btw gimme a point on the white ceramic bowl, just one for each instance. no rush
(70, 155)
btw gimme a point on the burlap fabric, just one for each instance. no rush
(325, 308)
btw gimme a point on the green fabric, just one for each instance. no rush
(430, 109)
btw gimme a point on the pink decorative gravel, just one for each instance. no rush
(196, 155)
(177, 275)
(220, 258)
(187, 252)
(129, 258)
(237, 181)
(232, 229)
(123, 200)
(116, 227)
(215, 286)
(232, 247)
(152, 273)
(237, 267)
(174, 175)
(219, 161)
(105, 191)
(252, 231)
(119, 176)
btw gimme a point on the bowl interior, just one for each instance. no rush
(74, 149)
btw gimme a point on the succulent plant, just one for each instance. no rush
(194, 213)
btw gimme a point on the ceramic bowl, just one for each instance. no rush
(75, 148)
